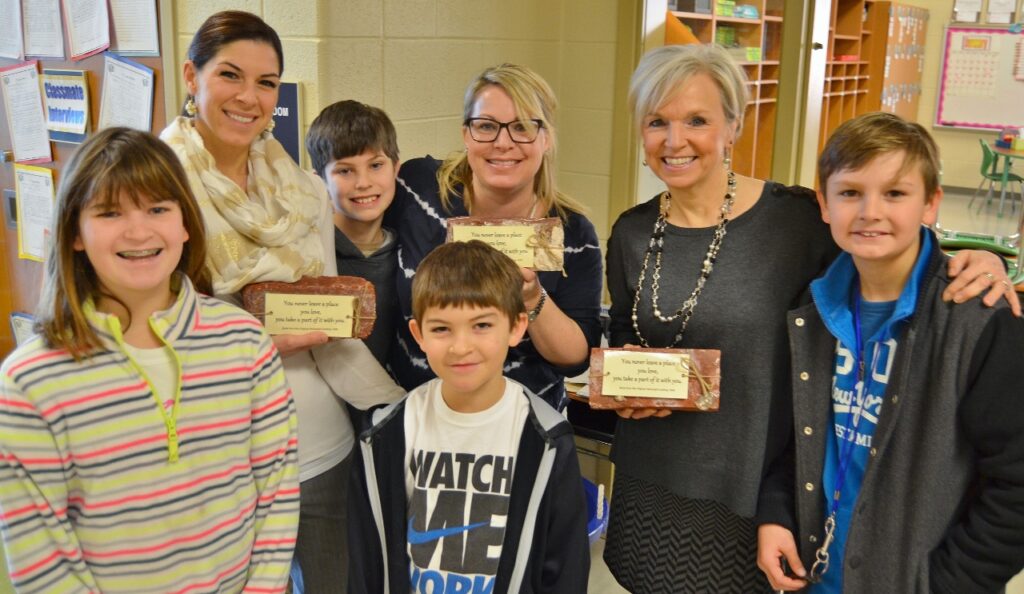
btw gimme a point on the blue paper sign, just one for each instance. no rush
(66, 95)
(287, 124)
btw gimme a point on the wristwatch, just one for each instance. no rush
(533, 313)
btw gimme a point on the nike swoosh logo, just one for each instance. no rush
(416, 537)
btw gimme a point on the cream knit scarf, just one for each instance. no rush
(270, 232)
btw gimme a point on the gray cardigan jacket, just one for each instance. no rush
(941, 508)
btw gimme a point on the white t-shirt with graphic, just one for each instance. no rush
(458, 479)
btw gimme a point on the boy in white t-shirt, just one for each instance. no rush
(471, 484)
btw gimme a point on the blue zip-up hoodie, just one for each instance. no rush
(833, 295)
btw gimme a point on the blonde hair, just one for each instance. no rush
(469, 273)
(114, 163)
(662, 70)
(857, 142)
(533, 99)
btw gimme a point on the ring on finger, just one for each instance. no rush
(1007, 284)
(991, 278)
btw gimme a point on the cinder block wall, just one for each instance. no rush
(414, 58)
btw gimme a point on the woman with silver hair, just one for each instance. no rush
(713, 262)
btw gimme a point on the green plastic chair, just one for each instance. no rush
(990, 173)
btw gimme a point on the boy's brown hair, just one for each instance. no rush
(469, 273)
(858, 141)
(349, 128)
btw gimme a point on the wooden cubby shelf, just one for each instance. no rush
(699, 16)
(862, 28)
(752, 152)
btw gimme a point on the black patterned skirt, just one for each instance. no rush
(659, 542)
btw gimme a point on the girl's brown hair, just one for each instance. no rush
(114, 163)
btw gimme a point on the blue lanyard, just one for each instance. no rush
(846, 446)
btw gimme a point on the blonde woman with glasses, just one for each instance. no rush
(507, 170)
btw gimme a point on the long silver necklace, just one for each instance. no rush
(657, 245)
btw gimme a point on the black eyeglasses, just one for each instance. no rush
(487, 130)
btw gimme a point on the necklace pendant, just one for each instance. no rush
(656, 246)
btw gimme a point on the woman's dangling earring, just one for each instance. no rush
(645, 162)
(190, 107)
(270, 125)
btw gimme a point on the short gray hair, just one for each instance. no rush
(662, 70)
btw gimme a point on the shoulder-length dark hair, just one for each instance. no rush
(113, 164)
(227, 27)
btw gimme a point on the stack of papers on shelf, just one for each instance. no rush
(725, 36)
(745, 54)
(746, 11)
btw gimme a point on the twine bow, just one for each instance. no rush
(550, 251)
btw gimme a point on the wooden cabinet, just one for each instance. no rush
(897, 65)
(752, 154)
(851, 41)
(874, 63)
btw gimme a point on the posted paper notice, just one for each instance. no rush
(135, 29)
(44, 35)
(23, 105)
(127, 98)
(35, 197)
(11, 41)
(88, 27)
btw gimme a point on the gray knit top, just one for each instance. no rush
(768, 257)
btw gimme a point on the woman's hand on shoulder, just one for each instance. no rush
(289, 344)
(976, 271)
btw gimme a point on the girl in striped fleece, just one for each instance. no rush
(147, 435)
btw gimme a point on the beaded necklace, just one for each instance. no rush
(656, 246)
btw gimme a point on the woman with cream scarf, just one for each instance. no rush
(267, 220)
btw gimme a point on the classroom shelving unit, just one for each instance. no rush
(874, 63)
(752, 154)
(851, 41)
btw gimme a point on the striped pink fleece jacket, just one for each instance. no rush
(103, 490)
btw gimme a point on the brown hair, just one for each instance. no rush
(533, 99)
(114, 163)
(227, 27)
(469, 273)
(857, 142)
(349, 128)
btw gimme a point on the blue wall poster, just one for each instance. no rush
(287, 119)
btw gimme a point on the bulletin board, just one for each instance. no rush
(982, 80)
